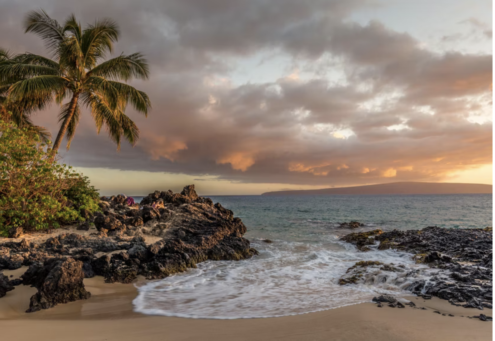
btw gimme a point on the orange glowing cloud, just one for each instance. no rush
(390, 173)
(162, 147)
(313, 169)
(239, 161)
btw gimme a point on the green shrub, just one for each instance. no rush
(36, 192)
(82, 196)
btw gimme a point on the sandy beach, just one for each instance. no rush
(108, 315)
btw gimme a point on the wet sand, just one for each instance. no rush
(108, 316)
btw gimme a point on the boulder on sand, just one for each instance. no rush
(57, 281)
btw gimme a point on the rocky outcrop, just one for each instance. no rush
(194, 233)
(385, 299)
(362, 239)
(375, 272)
(16, 232)
(462, 256)
(187, 230)
(351, 225)
(57, 281)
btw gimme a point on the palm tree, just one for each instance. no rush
(21, 118)
(77, 71)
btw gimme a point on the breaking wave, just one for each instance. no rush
(286, 278)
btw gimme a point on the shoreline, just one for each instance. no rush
(108, 315)
(134, 246)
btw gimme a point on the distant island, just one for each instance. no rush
(397, 188)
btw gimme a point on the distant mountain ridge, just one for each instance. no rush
(397, 188)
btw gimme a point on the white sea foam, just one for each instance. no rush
(287, 278)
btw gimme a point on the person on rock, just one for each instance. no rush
(130, 201)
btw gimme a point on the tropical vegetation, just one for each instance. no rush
(37, 192)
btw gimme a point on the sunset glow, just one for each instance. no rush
(295, 95)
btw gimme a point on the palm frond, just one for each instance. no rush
(36, 87)
(61, 95)
(118, 125)
(120, 94)
(34, 59)
(103, 89)
(27, 105)
(48, 29)
(97, 40)
(71, 57)
(12, 70)
(4, 55)
(138, 99)
(72, 26)
(129, 129)
(123, 68)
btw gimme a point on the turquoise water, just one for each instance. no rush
(299, 272)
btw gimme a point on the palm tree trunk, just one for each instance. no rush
(65, 125)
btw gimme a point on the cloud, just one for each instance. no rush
(360, 102)
(485, 28)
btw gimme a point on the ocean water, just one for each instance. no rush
(298, 273)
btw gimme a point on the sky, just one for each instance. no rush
(264, 95)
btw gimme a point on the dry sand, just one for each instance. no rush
(39, 237)
(108, 315)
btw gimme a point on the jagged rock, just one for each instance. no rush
(474, 303)
(120, 199)
(483, 317)
(384, 245)
(437, 256)
(355, 272)
(370, 272)
(385, 299)
(107, 222)
(463, 256)
(15, 282)
(139, 251)
(5, 285)
(57, 281)
(150, 213)
(351, 225)
(88, 270)
(487, 305)
(84, 226)
(159, 230)
(362, 239)
(15, 232)
(189, 192)
(11, 262)
(134, 221)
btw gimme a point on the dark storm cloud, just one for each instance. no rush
(291, 130)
